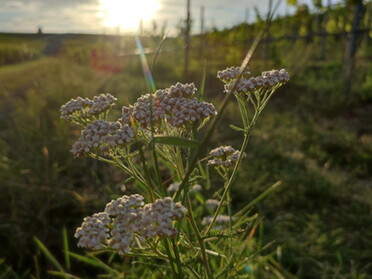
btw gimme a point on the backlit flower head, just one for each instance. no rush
(229, 74)
(102, 136)
(86, 109)
(175, 105)
(93, 232)
(224, 156)
(127, 221)
(246, 85)
(221, 219)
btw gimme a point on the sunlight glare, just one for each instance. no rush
(127, 13)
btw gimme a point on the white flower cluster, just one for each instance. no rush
(141, 111)
(128, 221)
(156, 218)
(186, 110)
(224, 156)
(221, 151)
(266, 80)
(182, 90)
(175, 104)
(101, 103)
(93, 231)
(230, 74)
(221, 219)
(86, 108)
(124, 205)
(125, 213)
(102, 135)
(75, 106)
(212, 204)
(175, 185)
(276, 76)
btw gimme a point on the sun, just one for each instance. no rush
(127, 13)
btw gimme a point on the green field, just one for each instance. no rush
(314, 137)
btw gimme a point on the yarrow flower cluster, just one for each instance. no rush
(102, 136)
(221, 219)
(87, 108)
(175, 185)
(157, 217)
(141, 112)
(266, 80)
(175, 104)
(182, 90)
(93, 232)
(224, 156)
(229, 74)
(211, 204)
(127, 221)
(130, 226)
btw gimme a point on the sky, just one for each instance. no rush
(104, 16)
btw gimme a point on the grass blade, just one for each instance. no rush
(158, 51)
(263, 195)
(63, 274)
(48, 254)
(93, 261)
(37, 268)
(202, 84)
(65, 248)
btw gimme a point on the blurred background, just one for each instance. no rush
(315, 136)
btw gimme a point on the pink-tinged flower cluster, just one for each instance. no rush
(87, 108)
(224, 156)
(176, 105)
(127, 221)
(156, 218)
(175, 186)
(267, 80)
(221, 219)
(102, 136)
(212, 204)
(93, 232)
(229, 74)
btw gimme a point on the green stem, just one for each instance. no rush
(170, 257)
(229, 231)
(199, 238)
(258, 109)
(235, 170)
(144, 165)
(177, 256)
(222, 108)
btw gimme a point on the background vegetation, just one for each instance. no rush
(315, 137)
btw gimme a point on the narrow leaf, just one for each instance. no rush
(236, 128)
(65, 248)
(202, 85)
(263, 195)
(242, 103)
(158, 51)
(63, 274)
(91, 260)
(48, 254)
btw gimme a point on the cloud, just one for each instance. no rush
(52, 15)
(85, 15)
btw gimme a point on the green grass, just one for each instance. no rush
(20, 48)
